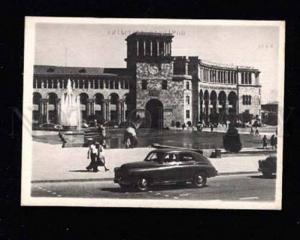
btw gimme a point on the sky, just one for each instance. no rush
(104, 45)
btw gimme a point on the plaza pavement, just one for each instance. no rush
(51, 162)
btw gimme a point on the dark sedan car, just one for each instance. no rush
(267, 166)
(165, 166)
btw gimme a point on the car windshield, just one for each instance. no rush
(161, 157)
(154, 156)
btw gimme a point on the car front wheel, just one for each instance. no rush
(142, 184)
(199, 180)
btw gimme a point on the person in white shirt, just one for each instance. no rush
(100, 157)
(93, 154)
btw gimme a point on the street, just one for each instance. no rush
(243, 187)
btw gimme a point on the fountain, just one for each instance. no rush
(70, 119)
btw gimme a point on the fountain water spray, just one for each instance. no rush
(70, 116)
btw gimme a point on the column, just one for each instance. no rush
(151, 48)
(186, 68)
(137, 47)
(144, 45)
(226, 105)
(103, 110)
(122, 110)
(58, 107)
(164, 48)
(157, 44)
(107, 110)
(91, 109)
(45, 110)
(239, 77)
(119, 112)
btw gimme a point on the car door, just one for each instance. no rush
(168, 170)
(187, 165)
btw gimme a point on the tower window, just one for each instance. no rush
(247, 100)
(144, 84)
(187, 113)
(188, 85)
(164, 84)
(187, 99)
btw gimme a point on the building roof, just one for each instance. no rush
(82, 71)
(150, 34)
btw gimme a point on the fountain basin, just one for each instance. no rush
(72, 138)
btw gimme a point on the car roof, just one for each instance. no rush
(172, 150)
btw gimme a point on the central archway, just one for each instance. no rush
(155, 108)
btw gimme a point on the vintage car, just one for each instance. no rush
(267, 166)
(163, 166)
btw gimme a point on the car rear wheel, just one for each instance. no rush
(142, 184)
(199, 180)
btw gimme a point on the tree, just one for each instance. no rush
(231, 140)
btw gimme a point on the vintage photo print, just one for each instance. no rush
(153, 113)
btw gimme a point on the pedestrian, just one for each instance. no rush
(256, 131)
(95, 123)
(92, 155)
(101, 157)
(251, 130)
(265, 141)
(102, 132)
(130, 137)
(211, 127)
(183, 126)
(272, 141)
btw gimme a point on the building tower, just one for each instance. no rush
(149, 61)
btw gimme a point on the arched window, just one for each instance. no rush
(187, 100)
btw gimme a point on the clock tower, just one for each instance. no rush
(149, 60)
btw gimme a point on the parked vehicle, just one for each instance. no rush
(268, 166)
(163, 166)
(50, 126)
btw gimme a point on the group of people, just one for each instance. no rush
(96, 148)
(273, 141)
(96, 156)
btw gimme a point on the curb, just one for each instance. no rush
(109, 179)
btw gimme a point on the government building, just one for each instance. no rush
(155, 86)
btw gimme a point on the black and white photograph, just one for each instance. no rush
(153, 113)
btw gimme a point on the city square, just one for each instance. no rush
(166, 122)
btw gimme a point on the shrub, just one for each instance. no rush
(173, 123)
(231, 140)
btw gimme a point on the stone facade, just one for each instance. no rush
(155, 85)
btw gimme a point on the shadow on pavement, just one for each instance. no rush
(153, 188)
(81, 171)
(262, 177)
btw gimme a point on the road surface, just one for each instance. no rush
(246, 187)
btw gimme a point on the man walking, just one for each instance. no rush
(265, 141)
(100, 158)
(93, 154)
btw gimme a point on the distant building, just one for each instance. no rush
(155, 85)
(269, 113)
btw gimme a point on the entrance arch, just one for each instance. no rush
(155, 108)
